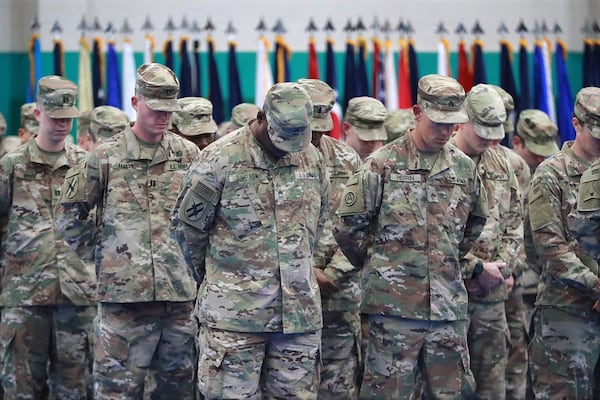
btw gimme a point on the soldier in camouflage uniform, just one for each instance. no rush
(498, 246)
(398, 122)
(105, 122)
(516, 315)
(195, 121)
(363, 131)
(240, 116)
(565, 346)
(248, 218)
(337, 278)
(145, 290)
(408, 218)
(47, 292)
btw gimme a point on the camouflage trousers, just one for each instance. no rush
(136, 339)
(244, 365)
(563, 353)
(46, 347)
(516, 366)
(340, 342)
(488, 339)
(401, 352)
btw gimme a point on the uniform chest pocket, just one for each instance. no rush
(34, 197)
(239, 204)
(402, 209)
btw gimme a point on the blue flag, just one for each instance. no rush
(362, 79)
(113, 78)
(588, 62)
(596, 64)
(58, 55)
(98, 73)
(35, 67)
(525, 97)
(168, 52)
(185, 69)
(235, 89)
(413, 70)
(214, 84)
(479, 73)
(349, 74)
(565, 96)
(330, 72)
(196, 71)
(507, 79)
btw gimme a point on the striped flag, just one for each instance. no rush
(85, 98)
(404, 89)
(128, 86)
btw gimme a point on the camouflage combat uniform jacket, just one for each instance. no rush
(585, 222)
(341, 161)
(409, 224)
(38, 268)
(503, 232)
(136, 258)
(249, 226)
(569, 277)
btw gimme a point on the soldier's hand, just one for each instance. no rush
(596, 306)
(510, 284)
(491, 276)
(473, 287)
(325, 284)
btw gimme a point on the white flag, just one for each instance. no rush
(264, 76)
(128, 74)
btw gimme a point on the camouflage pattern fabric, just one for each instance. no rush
(238, 207)
(245, 365)
(248, 226)
(584, 221)
(517, 315)
(403, 217)
(569, 281)
(37, 267)
(341, 328)
(403, 352)
(500, 240)
(27, 334)
(393, 210)
(140, 339)
(133, 196)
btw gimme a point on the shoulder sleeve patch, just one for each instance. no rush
(199, 205)
(353, 199)
(73, 189)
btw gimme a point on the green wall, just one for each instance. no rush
(14, 68)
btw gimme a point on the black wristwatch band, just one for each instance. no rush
(478, 268)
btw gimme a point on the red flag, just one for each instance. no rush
(404, 92)
(313, 65)
(465, 77)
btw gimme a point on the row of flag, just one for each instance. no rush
(391, 77)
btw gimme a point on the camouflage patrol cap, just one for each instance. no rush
(509, 106)
(28, 121)
(106, 121)
(57, 96)
(486, 111)
(323, 99)
(587, 109)
(83, 123)
(366, 115)
(242, 113)
(2, 125)
(538, 132)
(288, 110)
(159, 86)
(441, 98)
(195, 117)
(398, 122)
